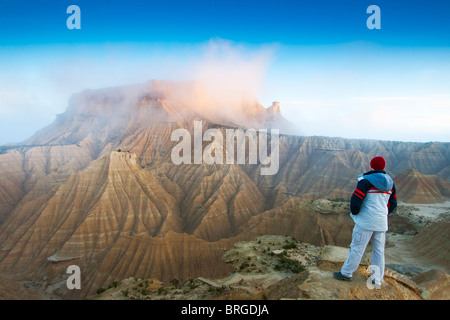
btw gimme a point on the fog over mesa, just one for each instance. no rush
(37, 85)
(323, 90)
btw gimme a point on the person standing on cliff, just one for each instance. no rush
(374, 198)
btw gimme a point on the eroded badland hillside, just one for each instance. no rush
(98, 188)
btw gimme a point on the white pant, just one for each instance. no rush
(360, 239)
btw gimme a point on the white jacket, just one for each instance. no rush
(373, 214)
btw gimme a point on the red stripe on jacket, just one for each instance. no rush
(358, 195)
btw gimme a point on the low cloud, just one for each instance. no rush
(38, 83)
(230, 72)
(397, 118)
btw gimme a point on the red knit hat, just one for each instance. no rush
(378, 163)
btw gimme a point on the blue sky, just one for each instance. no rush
(406, 23)
(330, 73)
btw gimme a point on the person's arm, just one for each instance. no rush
(392, 203)
(358, 195)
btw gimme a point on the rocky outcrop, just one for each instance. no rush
(272, 267)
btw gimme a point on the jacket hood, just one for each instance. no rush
(381, 181)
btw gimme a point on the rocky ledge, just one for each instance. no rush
(279, 267)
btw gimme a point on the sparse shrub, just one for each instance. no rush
(288, 264)
(125, 293)
(114, 284)
(100, 290)
(192, 285)
(244, 265)
(339, 200)
(218, 290)
(291, 245)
